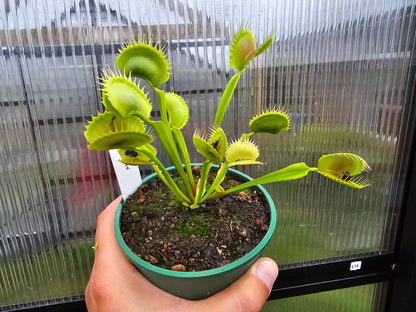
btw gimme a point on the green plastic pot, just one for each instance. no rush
(201, 284)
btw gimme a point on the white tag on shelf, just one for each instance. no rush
(355, 266)
(128, 177)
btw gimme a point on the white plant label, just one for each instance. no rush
(355, 265)
(128, 177)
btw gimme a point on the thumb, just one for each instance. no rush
(249, 292)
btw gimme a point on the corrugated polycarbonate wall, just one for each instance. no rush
(340, 68)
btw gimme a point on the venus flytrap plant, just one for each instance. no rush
(126, 121)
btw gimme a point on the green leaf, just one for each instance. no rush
(185, 155)
(215, 186)
(226, 98)
(122, 96)
(292, 172)
(105, 132)
(120, 140)
(243, 49)
(339, 163)
(165, 137)
(265, 45)
(164, 175)
(145, 61)
(137, 156)
(206, 166)
(205, 148)
(242, 152)
(177, 110)
(344, 168)
(218, 141)
(273, 122)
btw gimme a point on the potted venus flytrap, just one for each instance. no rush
(184, 215)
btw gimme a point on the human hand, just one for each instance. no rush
(116, 285)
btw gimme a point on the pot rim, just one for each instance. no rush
(205, 273)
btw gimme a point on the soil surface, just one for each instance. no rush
(163, 232)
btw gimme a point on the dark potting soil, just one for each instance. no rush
(163, 232)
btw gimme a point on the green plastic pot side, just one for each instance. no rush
(201, 284)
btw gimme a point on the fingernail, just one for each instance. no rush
(267, 272)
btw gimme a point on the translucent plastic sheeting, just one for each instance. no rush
(340, 68)
(358, 299)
